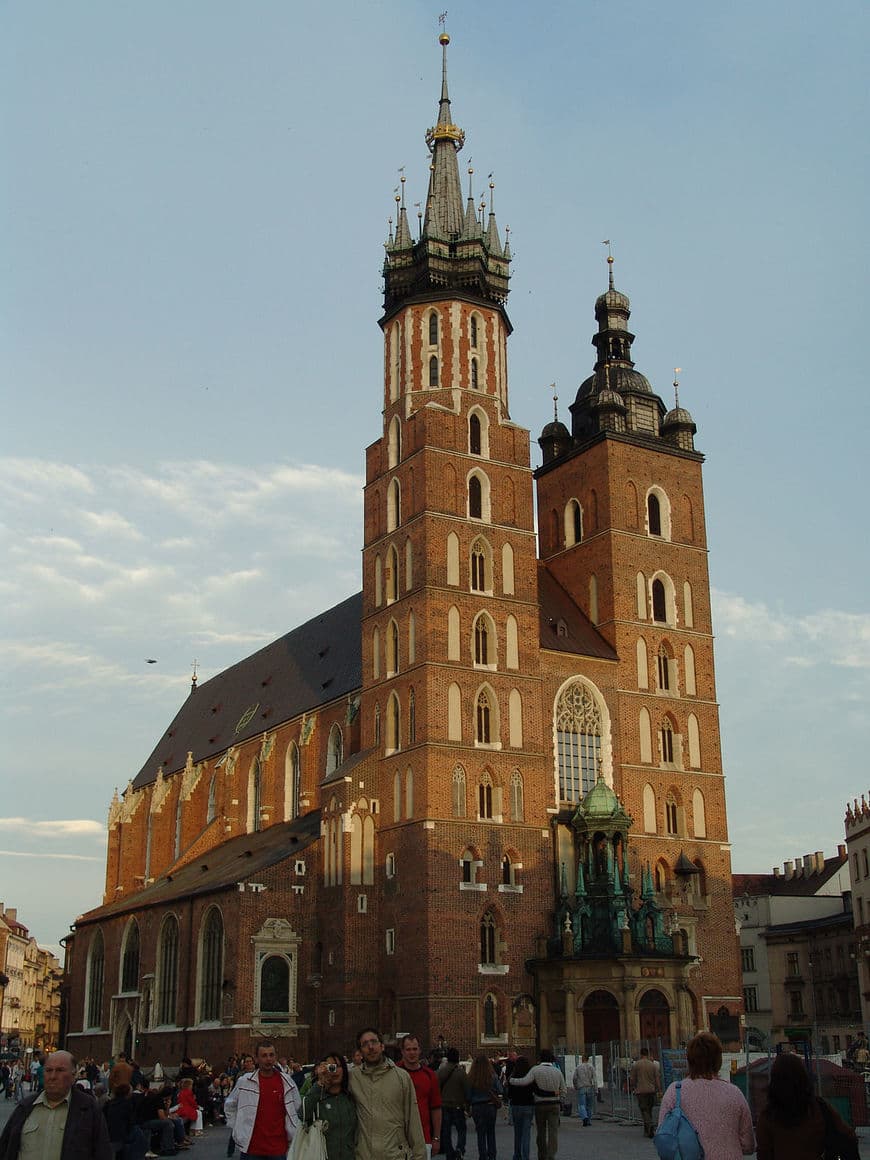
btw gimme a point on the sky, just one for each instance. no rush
(193, 203)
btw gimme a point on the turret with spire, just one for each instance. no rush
(457, 253)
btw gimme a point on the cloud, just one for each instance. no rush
(43, 854)
(28, 479)
(56, 828)
(110, 523)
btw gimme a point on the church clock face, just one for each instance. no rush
(247, 716)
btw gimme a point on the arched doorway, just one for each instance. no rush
(655, 1017)
(600, 1018)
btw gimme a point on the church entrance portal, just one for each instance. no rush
(600, 1018)
(655, 1018)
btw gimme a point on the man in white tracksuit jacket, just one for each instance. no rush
(262, 1110)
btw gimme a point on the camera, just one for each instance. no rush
(332, 1068)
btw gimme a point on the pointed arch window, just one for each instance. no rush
(96, 976)
(483, 718)
(659, 602)
(412, 717)
(394, 442)
(483, 652)
(488, 940)
(573, 523)
(392, 648)
(433, 371)
(664, 669)
(578, 741)
(377, 724)
(475, 498)
(274, 989)
(654, 514)
(433, 329)
(666, 741)
(167, 972)
(490, 1013)
(211, 967)
(394, 505)
(475, 384)
(394, 737)
(392, 577)
(458, 794)
(474, 440)
(478, 569)
(254, 788)
(292, 780)
(130, 958)
(508, 876)
(211, 807)
(334, 749)
(473, 332)
(484, 798)
(517, 797)
(412, 638)
(468, 867)
(671, 816)
(179, 821)
(409, 793)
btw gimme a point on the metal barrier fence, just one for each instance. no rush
(613, 1061)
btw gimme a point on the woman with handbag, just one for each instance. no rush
(328, 1115)
(796, 1125)
(485, 1100)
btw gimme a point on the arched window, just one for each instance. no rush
(397, 796)
(458, 794)
(412, 638)
(517, 799)
(688, 609)
(573, 523)
(409, 565)
(167, 972)
(130, 957)
(671, 815)
(474, 441)
(334, 749)
(659, 602)
(473, 332)
(507, 570)
(490, 1016)
(484, 641)
(454, 648)
(649, 809)
(409, 793)
(654, 514)
(412, 717)
(452, 558)
(394, 505)
(211, 807)
(484, 797)
(488, 940)
(699, 815)
(368, 865)
(376, 653)
(479, 567)
(377, 724)
(468, 867)
(394, 736)
(666, 741)
(179, 820)
(454, 713)
(95, 977)
(274, 989)
(475, 498)
(392, 648)
(292, 781)
(254, 788)
(433, 329)
(356, 845)
(593, 598)
(645, 736)
(211, 967)
(512, 643)
(578, 741)
(661, 876)
(475, 385)
(663, 669)
(689, 668)
(515, 719)
(694, 737)
(394, 442)
(433, 371)
(379, 582)
(508, 876)
(483, 718)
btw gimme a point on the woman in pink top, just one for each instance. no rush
(716, 1108)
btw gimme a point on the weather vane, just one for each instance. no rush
(555, 403)
(677, 372)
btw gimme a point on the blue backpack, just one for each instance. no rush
(676, 1138)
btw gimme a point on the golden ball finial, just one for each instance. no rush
(444, 38)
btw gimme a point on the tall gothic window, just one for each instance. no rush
(254, 789)
(517, 804)
(275, 989)
(475, 498)
(483, 720)
(654, 514)
(490, 1023)
(459, 792)
(211, 967)
(664, 674)
(659, 603)
(481, 641)
(96, 975)
(130, 958)
(474, 331)
(475, 443)
(433, 371)
(335, 749)
(474, 378)
(412, 717)
(478, 568)
(488, 940)
(578, 741)
(167, 971)
(666, 738)
(484, 797)
(211, 808)
(433, 329)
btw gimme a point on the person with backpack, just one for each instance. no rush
(715, 1109)
(796, 1125)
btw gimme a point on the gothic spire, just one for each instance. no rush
(444, 212)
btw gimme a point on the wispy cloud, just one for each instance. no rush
(58, 827)
(41, 854)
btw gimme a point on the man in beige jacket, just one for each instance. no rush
(388, 1121)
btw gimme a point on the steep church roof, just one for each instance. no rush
(311, 665)
(564, 626)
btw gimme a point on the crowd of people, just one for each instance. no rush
(388, 1102)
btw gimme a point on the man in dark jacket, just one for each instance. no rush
(64, 1122)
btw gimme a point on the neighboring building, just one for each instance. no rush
(483, 799)
(30, 1000)
(797, 948)
(858, 846)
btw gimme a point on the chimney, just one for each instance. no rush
(777, 872)
(809, 864)
(820, 861)
(12, 914)
(841, 850)
(788, 867)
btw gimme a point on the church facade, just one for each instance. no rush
(482, 799)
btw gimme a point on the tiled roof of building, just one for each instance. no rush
(825, 922)
(579, 635)
(802, 884)
(310, 666)
(232, 861)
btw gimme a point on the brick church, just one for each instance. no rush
(483, 798)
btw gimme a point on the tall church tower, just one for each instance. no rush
(450, 694)
(621, 524)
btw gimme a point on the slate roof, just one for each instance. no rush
(221, 867)
(800, 885)
(316, 663)
(582, 637)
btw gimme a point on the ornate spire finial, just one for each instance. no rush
(677, 371)
(491, 194)
(555, 403)
(194, 678)
(606, 242)
(470, 173)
